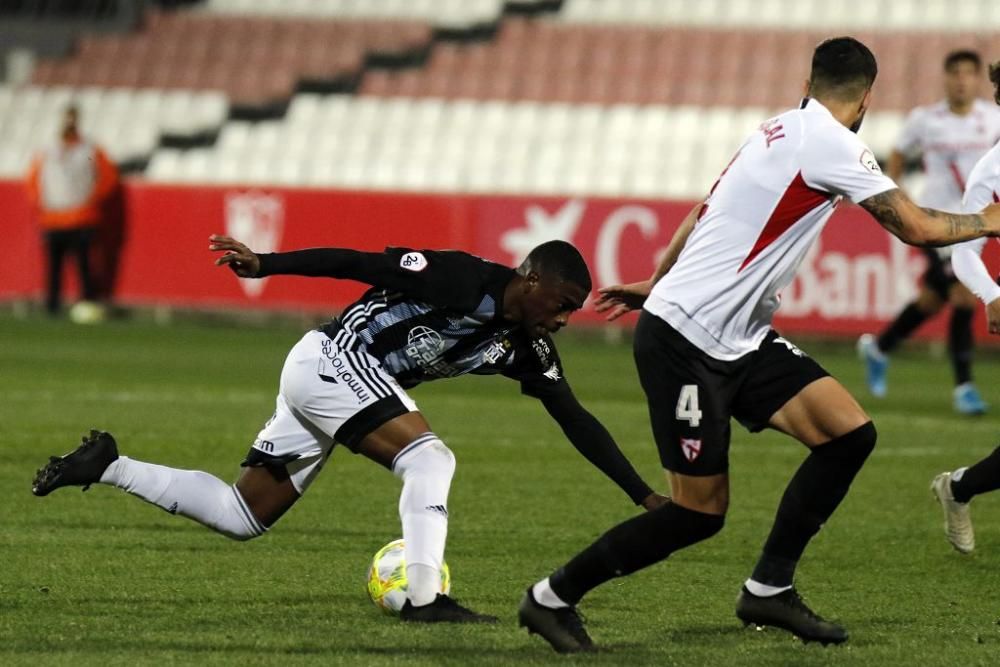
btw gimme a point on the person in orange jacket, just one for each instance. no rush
(68, 186)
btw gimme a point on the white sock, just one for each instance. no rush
(426, 467)
(191, 493)
(877, 352)
(545, 596)
(764, 590)
(423, 583)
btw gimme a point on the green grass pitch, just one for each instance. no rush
(103, 578)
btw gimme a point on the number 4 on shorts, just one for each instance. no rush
(687, 405)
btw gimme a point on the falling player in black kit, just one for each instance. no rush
(431, 314)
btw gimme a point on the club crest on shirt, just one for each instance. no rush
(691, 448)
(496, 351)
(869, 162)
(413, 261)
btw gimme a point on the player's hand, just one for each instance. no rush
(993, 316)
(616, 300)
(654, 500)
(236, 256)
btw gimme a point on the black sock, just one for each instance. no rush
(631, 546)
(979, 478)
(815, 491)
(905, 323)
(960, 343)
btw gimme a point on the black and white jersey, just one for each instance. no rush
(436, 314)
(432, 314)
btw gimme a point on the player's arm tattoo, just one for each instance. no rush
(883, 208)
(960, 225)
(887, 208)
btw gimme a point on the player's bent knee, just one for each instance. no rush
(855, 445)
(699, 525)
(235, 520)
(426, 455)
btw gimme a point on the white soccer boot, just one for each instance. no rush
(957, 523)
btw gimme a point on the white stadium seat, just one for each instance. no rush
(790, 14)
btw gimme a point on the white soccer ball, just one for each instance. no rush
(87, 312)
(387, 578)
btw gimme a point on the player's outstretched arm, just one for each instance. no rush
(366, 267)
(919, 226)
(616, 300)
(591, 439)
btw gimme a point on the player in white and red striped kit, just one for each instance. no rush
(955, 489)
(950, 137)
(705, 351)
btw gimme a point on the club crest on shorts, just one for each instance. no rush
(691, 448)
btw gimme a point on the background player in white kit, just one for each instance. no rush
(955, 489)
(705, 351)
(949, 137)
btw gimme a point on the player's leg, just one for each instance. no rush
(930, 300)
(982, 477)
(955, 489)
(347, 396)
(244, 510)
(82, 240)
(691, 429)
(191, 493)
(790, 392)
(407, 446)
(960, 343)
(695, 514)
(875, 350)
(287, 454)
(826, 418)
(55, 248)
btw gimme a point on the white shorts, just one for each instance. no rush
(327, 395)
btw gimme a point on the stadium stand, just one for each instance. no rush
(442, 13)
(884, 15)
(636, 97)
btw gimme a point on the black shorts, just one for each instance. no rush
(939, 276)
(692, 395)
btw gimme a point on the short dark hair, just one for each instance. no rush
(995, 78)
(963, 56)
(558, 259)
(842, 67)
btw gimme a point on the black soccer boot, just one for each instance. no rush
(81, 467)
(443, 610)
(786, 610)
(562, 628)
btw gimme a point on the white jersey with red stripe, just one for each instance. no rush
(983, 189)
(950, 146)
(763, 214)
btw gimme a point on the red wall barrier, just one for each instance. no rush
(855, 280)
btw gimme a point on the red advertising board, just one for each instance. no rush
(855, 279)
